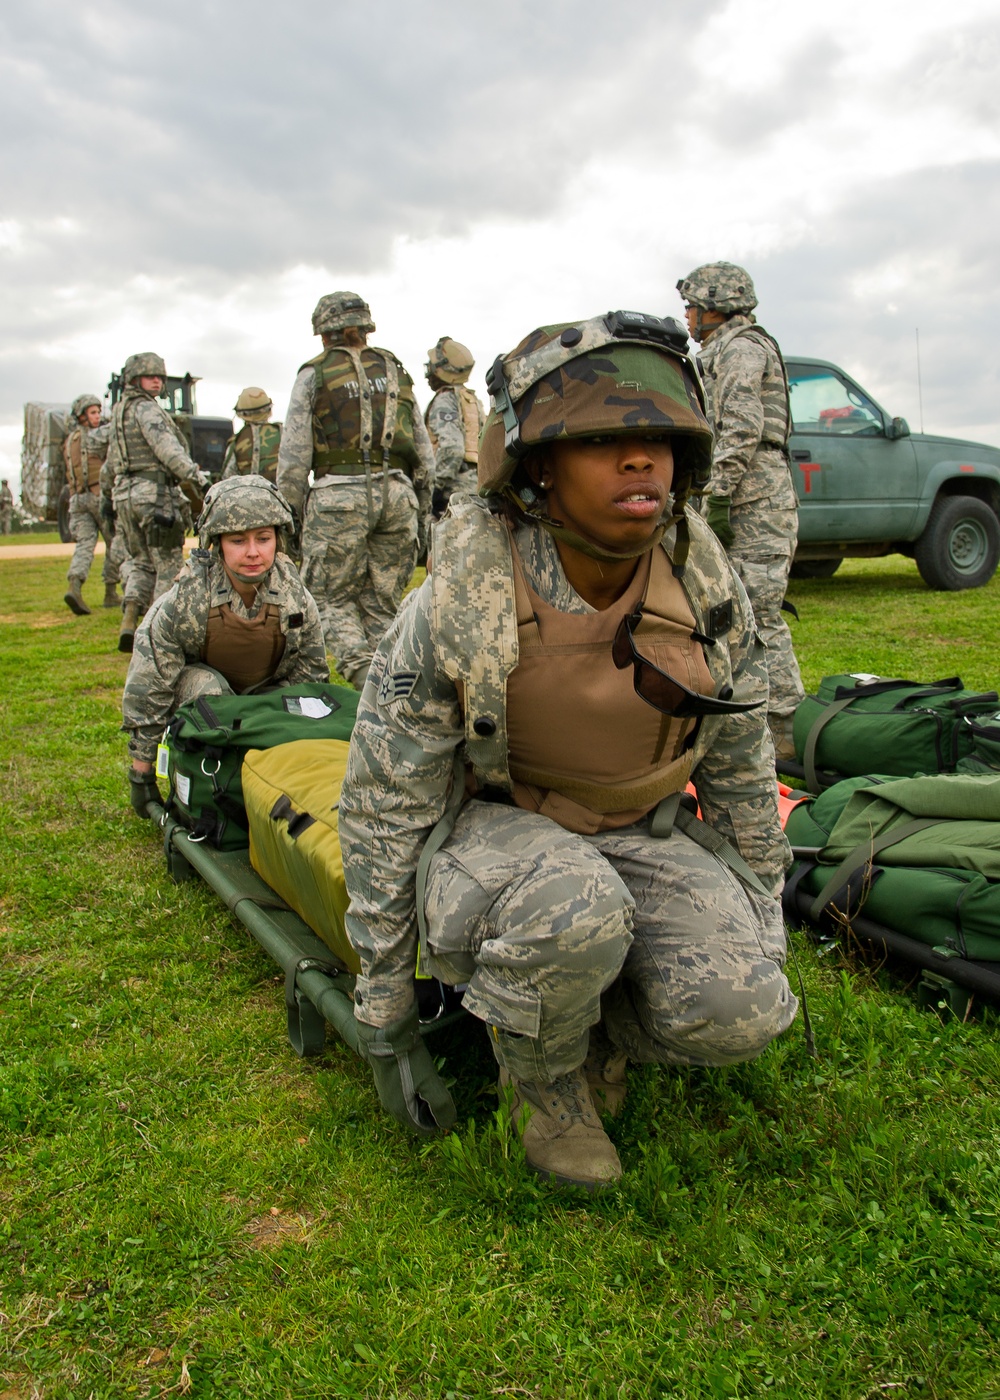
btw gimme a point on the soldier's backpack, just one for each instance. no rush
(207, 739)
(858, 724)
(918, 856)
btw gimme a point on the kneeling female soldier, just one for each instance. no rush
(580, 650)
(237, 619)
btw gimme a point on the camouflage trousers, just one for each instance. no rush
(358, 553)
(554, 932)
(86, 527)
(761, 553)
(151, 568)
(6, 520)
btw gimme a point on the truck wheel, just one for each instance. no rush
(62, 516)
(960, 545)
(815, 568)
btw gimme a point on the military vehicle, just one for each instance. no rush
(867, 486)
(44, 492)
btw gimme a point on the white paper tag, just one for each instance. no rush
(162, 761)
(864, 677)
(183, 785)
(310, 706)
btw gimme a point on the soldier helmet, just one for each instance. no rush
(253, 404)
(147, 363)
(719, 286)
(240, 503)
(625, 372)
(80, 405)
(450, 361)
(337, 310)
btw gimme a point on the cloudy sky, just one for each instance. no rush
(190, 178)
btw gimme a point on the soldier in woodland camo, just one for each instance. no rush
(579, 651)
(153, 476)
(84, 452)
(751, 505)
(253, 451)
(454, 419)
(237, 619)
(353, 423)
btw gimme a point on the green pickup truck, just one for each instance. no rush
(868, 486)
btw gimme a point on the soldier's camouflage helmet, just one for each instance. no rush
(146, 363)
(253, 405)
(240, 503)
(719, 286)
(625, 372)
(337, 310)
(450, 361)
(80, 405)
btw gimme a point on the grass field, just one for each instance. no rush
(186, 1209)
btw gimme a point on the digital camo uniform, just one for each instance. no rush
(253, 451)
(151, 463)
(6, 508)
(85, 451)
(454, 419)
(361, 523)
(557, 906)
(748, 407)
(172, 663)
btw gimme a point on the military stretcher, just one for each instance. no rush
(319, 988)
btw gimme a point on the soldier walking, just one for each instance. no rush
(454, 420)
(6, 507)
(152, 469)
(84, 452)
(751, 504)
(253, 451)
(353, 422)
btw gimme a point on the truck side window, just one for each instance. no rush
(823, 403)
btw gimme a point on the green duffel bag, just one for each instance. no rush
(858, 724)
(919, 856)
(984, 756)
(206, 741)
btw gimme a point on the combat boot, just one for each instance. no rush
(561, 1132)
(74, 598)
(112, 598)
(130, 621)
(605, 1069)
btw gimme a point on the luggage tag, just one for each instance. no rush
(162, 760)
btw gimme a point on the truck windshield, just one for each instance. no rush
(822, 402)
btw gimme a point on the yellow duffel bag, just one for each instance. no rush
(292, 793)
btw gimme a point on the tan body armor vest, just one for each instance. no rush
(584, 749)
(471, 419)
(82, 478)
(245, 650)
(134, 452)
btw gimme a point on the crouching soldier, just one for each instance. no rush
(581, 649)
(238, 619)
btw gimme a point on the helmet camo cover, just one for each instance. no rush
(719, 286)
(625, 372)
(338, 310)
(239, 503)
(146, 363)
(80, 405)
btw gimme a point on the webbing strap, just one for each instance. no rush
(863, 857)
(812, 739)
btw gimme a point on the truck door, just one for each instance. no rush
(853, 481)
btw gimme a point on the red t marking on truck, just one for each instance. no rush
(807, 469)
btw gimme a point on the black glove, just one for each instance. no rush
(143, 790)
(408, 1085)
(107, 512)
(718, 519)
